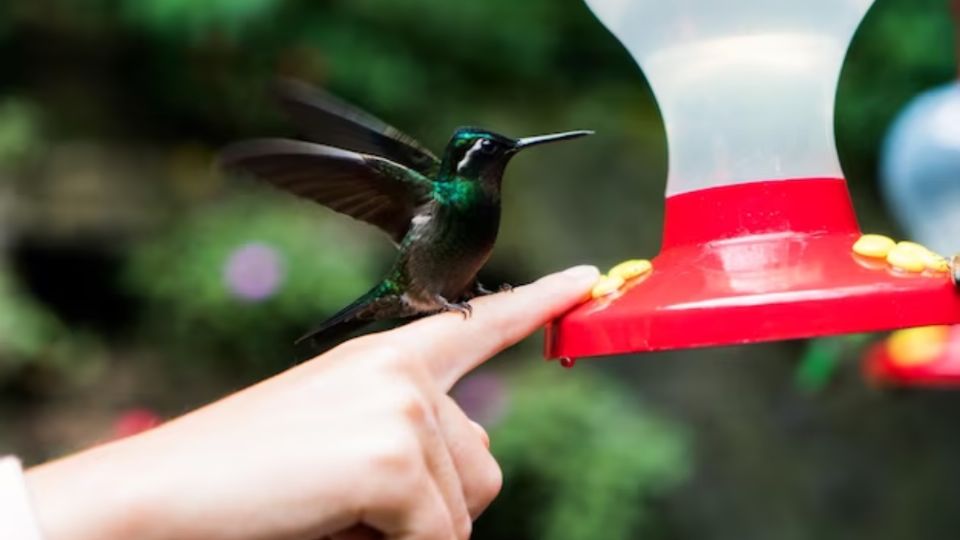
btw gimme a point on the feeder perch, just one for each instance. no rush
(759, 225)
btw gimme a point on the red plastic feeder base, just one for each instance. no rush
(754, 262)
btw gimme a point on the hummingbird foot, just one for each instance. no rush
(480, 290)
(464, 308)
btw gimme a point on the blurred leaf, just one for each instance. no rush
(822, 357)
(179, 18)
(184, 273)
(32, 336)
(581, 459)
(19, 131)
(26, 329)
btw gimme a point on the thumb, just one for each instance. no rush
(452, 346)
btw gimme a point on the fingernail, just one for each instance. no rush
(484, 436)
(583, 272)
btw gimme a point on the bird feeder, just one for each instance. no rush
(759, 225)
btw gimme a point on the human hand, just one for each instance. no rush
(359, 442)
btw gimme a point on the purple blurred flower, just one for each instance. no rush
(254, 271)
(483, 396)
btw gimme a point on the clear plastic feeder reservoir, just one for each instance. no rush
(759, 226)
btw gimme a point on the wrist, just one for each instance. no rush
(99, 493)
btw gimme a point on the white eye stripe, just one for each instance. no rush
(469, 155)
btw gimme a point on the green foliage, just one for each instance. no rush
(182, 273)
(582, 459)
(177, 19)
(902, 48)
(821, 359)
(31, 337)
(20, 134)
(26, 328)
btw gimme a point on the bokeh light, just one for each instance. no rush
(484, 397)
(254, 271)
(921, 168)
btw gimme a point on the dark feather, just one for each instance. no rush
(378, 303)
(326, 119)
(368, 188)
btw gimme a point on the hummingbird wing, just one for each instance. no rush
(326, 119)
(368, 188)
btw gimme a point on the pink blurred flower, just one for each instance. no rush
(133, 421)
(253, 271)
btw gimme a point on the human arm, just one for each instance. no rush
(362, 438)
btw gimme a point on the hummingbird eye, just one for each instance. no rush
(488, 146)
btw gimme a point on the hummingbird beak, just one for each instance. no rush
(541, 139)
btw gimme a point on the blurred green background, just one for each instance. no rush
(134, 276)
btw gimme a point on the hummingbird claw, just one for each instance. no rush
(464, 308)
(480, 290)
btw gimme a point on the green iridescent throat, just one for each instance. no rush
(458, 192)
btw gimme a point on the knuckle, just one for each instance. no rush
(413, 405)
(417, 409)
(401, 460)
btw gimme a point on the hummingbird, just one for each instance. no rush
(443, 214)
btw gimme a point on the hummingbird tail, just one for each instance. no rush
(344, 321)
(330, 334)
(378, 303)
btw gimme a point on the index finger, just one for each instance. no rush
(452, 346)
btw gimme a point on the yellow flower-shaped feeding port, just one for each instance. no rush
(875, 246)
(908, 257)
(633, 268)
(938, 264)
(917, 346)
(619, 275)
(606, 286)
(935, 262)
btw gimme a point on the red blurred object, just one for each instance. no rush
(754, 262)
(927, 357)
(134, 421)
